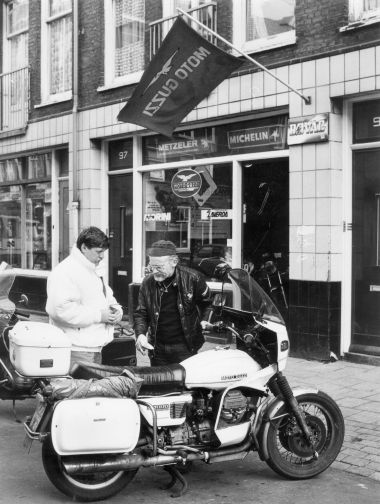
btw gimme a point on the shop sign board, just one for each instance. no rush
(255, 137)
(213, 214)
(308, 129)
(158, 217)
(210, 189)
(186, 183)
(168, 149)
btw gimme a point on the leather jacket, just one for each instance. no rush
(193, 301)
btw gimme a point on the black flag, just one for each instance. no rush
(185, 70)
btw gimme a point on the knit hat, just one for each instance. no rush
(162, 248)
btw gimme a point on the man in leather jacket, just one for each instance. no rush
(172, 307)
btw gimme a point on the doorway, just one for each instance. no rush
(120, 226)
(266, 226)
(366, 252)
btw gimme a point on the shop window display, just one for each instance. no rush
(192, 207)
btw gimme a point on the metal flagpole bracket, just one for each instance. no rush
(306, 99)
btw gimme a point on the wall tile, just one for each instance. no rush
(308, 184)
(283, 74)
(351, 87)
(295, 239)
(323, 211)
(322, 99)
(234, 89)
(258, 84)
(337, 89)
(246, 86)
(367, 67)
(308, 157)
(322, 72)
(295, 158)
(308, 74)
(311, 108)
(308, 211)
(336, 239)
(322, 155)
(335, 127)
(323, 185)
(295, 185)
(307, 235)
(295, 266)
(337, 68)
(336, 267)
(351, 65)
(308, 266)
(323, 239)
(367, 84)
(295, 212)
(336, 211)
(322, 269)
(295, 75)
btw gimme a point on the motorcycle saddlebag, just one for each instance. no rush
(95, 425)
(120, 351)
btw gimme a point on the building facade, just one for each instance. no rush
(285, 187)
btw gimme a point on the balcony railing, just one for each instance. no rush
(14, 99)
(206, 14)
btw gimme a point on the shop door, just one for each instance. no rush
(120, 226)
(266, 226)
(366, 253)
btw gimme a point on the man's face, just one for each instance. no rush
(162, 267)
(94, 255)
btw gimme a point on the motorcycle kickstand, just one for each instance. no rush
(176, 476)
(14, 411)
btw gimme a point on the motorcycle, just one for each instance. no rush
(99, 427)
(13, 386)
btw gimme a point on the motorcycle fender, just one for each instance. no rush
(273, 407)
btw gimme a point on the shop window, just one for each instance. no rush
(25, 211)
(263, 24)
(364, 10)
(192, 207)
(56, 50)
(124, 41)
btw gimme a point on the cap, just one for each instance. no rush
(162, 248)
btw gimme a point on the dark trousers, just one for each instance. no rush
(163, 355)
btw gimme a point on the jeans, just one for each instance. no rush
(163, 355)
(94, 357)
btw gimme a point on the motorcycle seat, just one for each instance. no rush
(156, 379)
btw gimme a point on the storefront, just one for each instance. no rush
(216, 191)
(363, 310)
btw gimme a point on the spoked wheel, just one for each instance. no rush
(86, 487)
(290, 454)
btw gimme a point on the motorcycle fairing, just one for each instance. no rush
(95, 425)
(170, 409)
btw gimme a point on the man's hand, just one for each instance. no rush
(142, 344)
(206, 327)
(110, 316)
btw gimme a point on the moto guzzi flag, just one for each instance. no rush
(185, 70)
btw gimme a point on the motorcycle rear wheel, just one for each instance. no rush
(87, 487)
(289, 453)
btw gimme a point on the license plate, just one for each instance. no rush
(35, 421)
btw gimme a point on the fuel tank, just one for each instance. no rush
(219, 368)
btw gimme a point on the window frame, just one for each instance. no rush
(110, 80)
(46, 96)
(358, 14)
(7, 36)
(262, 44)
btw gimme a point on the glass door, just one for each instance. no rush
(366, 251)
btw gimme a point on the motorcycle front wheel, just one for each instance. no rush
(289, 453)
(86, 487)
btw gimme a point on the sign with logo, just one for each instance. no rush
(255, 137)
(173, 148)
(186, 183)
(308, 129)
(366, 121)
(212, 214)
(210, 188)
(121, 154)
(158, 217)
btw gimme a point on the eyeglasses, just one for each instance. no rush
(156, 267)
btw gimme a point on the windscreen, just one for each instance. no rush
(242, 293)
(7, 307)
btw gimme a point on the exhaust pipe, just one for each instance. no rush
(127, 462)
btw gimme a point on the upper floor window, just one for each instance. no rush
(263, 24)
(56, 50)
(124, 41)
(16, 35)
(362, 10)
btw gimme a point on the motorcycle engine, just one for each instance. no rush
(233, 409)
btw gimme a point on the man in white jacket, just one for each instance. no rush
(78, 300)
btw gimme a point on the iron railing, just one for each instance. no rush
(206, 14)
(14, 99)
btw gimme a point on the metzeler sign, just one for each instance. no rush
(254, 137)
(165, 150)
(308, 129)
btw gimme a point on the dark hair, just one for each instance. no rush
(93, 237)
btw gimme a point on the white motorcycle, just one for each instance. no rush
(100, 426)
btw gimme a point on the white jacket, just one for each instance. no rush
(75, 299)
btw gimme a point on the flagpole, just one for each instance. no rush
(307, 99)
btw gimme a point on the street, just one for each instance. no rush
(249, 481)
